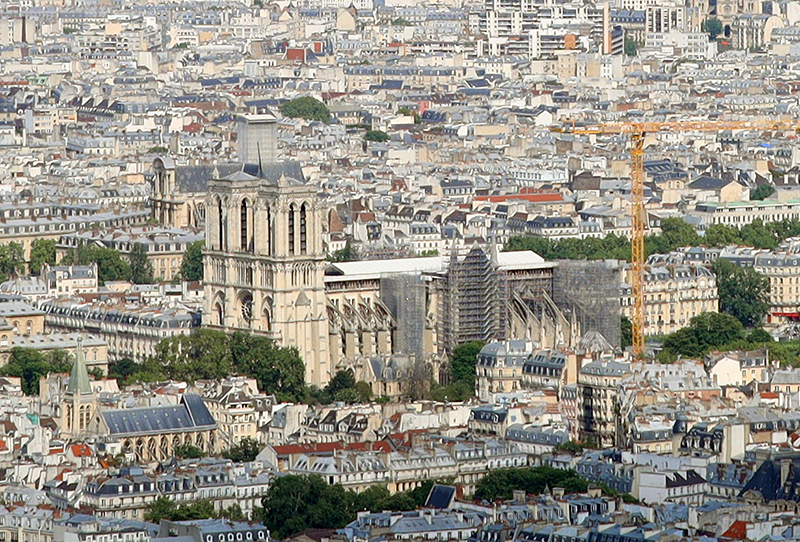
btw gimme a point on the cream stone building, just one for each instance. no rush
(674, 293)
(264, 260)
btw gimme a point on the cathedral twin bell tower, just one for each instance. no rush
(264, 259)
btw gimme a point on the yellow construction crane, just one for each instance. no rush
(637, 131)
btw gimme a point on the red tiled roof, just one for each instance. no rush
(81, 450)
(737, 531)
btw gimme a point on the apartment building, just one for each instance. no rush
(674, 293)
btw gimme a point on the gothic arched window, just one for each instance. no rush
(221, 225)
(291, 228)
(269, 231)
(303, 243)
(246, 243)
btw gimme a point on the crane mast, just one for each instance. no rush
(637, 131)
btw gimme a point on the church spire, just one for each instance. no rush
(79, 377)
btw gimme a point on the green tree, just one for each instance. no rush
(204, 354)
(631, 47)
(759, 336)
(720, 235)
(713, 27)
(743, 292)
(376, 136)
(122, 369)
(340, 381)
(158, 149)
(110, 264)
(345, 254)
(570, 447)
(501, 483)
(364, 391)
(306, 107)
(161, 508)
(12, 259)
(705, 331)
(759, 235)
(463, 360)
(141, 268)
(192, 264)
(626, 331)
(279, 370)
(295, 503)
(43, 251)
(188, 451)
(243, 451)
(762, 192)
(31, 365)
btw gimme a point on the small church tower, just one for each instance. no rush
(80, 401)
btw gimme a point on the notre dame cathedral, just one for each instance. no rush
(264, 260)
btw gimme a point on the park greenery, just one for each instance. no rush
(30, 365)
(306, 107)
(294, 503)
(501, 483)
(631, 48)
(713, 27)
(743, 292)
(722, 332)
(675, 233)
(377, 136)
(344, 254)
(762, 192)
(243, 451)
(43, 251)
(462, 374)
(166, 508)
(211, 354)
(192, 264)
(111, 265)
(12, 260)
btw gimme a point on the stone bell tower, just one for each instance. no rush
(264, 260)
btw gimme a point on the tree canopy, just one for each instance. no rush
(141, 269)
(307, 107)
(762, 192)
(211, 354)
(110, 264)
(243, 451)
(462, 374)
(166, 508)
(502, 483)
(631, 47)
(376, 136)
(12, 259)
(675, 233)
(713, 27)
(705, 331)
(30, 365)
(43, 251)
(294, 503)
(743, 292)
(192, 264)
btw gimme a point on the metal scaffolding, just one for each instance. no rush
(588, 292)
(405, 297)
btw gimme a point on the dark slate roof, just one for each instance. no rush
(767, 481)
(194, 179)
(191, 179)
(190, 415)
(708, 183)
(440, 497)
